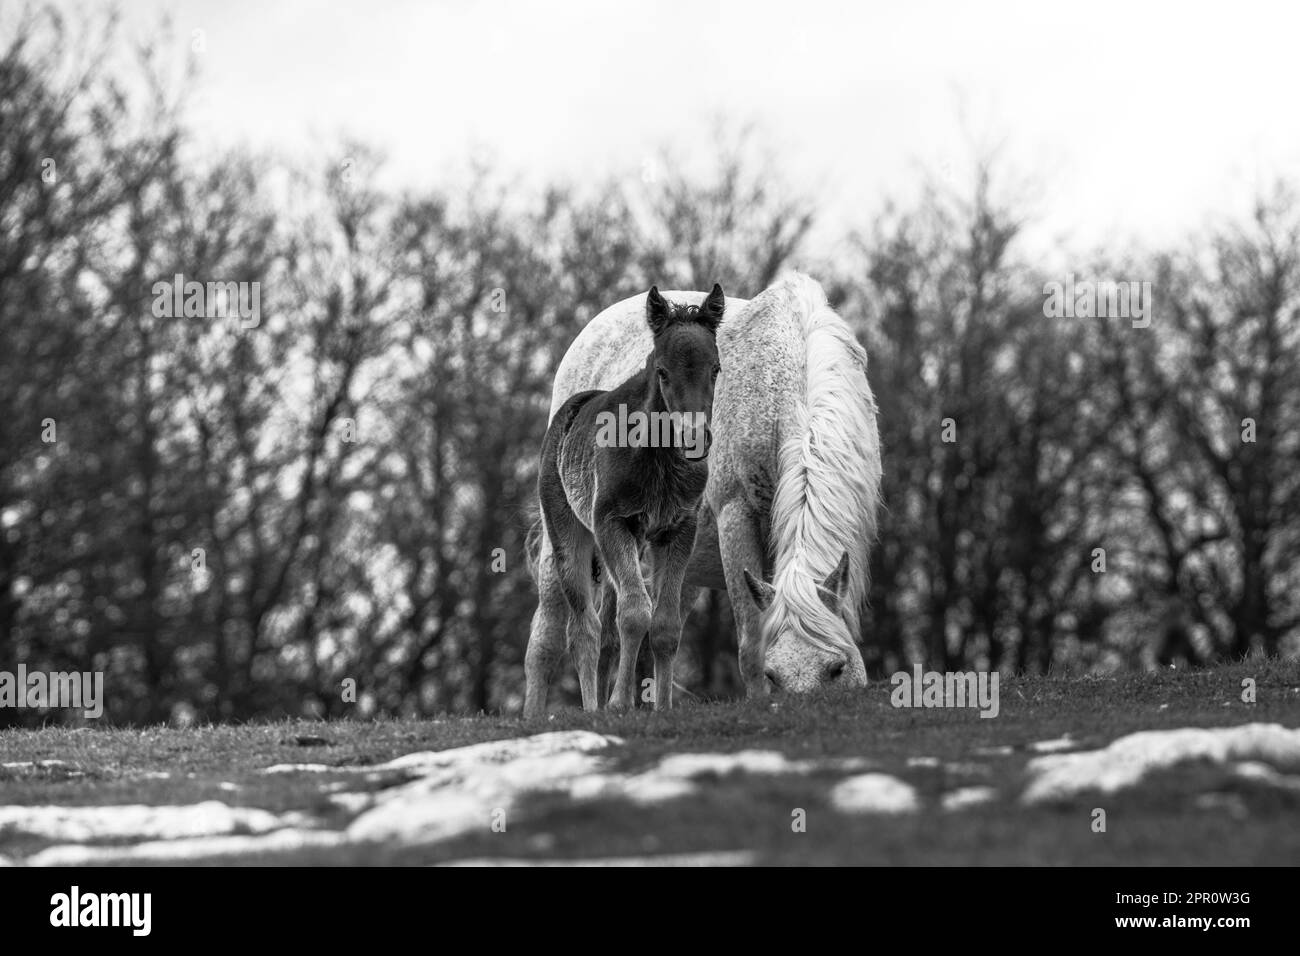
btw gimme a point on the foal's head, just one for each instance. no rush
(685, 362)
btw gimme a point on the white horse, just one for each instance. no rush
(789, 513)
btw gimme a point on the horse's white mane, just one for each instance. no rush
(828, 486)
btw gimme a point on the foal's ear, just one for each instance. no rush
(656, 310)
(760, 591)
(837, 584)
(711, 310)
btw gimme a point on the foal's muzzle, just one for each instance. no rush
(697, 440)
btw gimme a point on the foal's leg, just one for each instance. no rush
(546, 639)
(741, 543)
(620, 553)
(583, 632)
(668, 559)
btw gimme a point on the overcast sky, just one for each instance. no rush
(1137, 119)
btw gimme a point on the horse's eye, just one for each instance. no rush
(716, 370)
(661, 373)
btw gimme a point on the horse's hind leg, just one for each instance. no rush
(546, 639)
(608, 640)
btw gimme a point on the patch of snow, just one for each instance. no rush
(500, 751)
(678, 775)
(643, 789)
(694, 765)
(874, 793)
(964, 797)
(994, 751)
(460, 800)
(923, 761)
(493, 751)
(306, 768)
(1052, 746)
(134, 821)
(188, 850)
(847, 764)
(465, 789)
(1257, 772)
(351, 802)
(1127, 760)
(691, 765)
(725, 858)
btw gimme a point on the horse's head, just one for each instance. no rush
(685, 362)
(806, 632)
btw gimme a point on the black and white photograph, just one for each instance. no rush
(468, 434)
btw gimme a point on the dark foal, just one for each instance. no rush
(623, 469)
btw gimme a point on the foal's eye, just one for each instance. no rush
(716, 370)
(663, 376)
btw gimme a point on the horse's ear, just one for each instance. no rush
(760, 591)
(656, 310)
(711, 311)
(836, 586)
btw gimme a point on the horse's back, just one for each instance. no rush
(763, 380)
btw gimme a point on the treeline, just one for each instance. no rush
(235, 519)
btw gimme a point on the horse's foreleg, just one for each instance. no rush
(620, 554)
(546, 639)
(668, 561)
(704, 570)
(741, 545)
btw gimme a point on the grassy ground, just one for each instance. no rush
(1159, 823)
